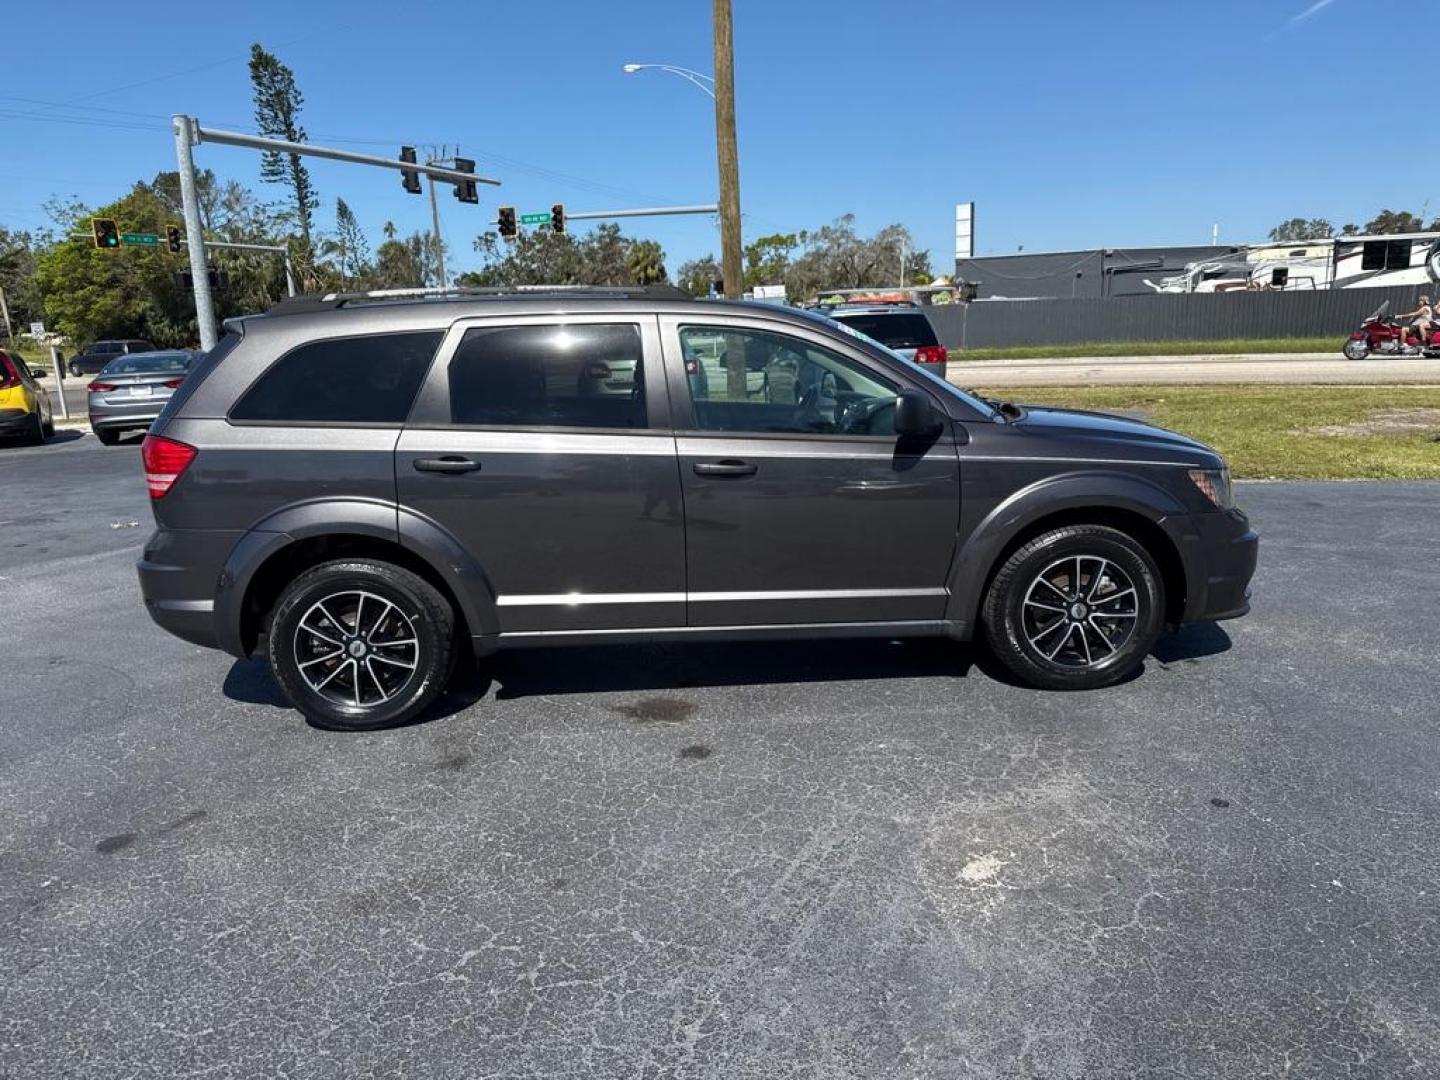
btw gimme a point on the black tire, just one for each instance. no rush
(34, 431)
(419, 609)
(1019, 603)
(49, 428)
(107, 436)
(1356, 350)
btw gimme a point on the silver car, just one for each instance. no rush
(129, 392)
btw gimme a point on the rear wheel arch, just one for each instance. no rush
(268, 581)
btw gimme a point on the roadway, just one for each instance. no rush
(1322, 368)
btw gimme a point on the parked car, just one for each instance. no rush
(97, 354)
(25, 409)
(903, 328)
(363, 486)
(128, 394)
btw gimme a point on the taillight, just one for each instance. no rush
(172, 384)
(101, 387)
(931, 354)
(9, 377)
(165, 462)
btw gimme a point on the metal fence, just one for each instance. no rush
(1166, 317)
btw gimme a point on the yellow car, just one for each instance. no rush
(25, 408)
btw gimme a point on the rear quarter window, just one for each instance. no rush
(354, 380)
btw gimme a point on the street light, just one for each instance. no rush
(704, 82)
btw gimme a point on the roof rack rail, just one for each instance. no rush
(297, 305)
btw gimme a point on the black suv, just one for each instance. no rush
(91, 359)
(364, 485)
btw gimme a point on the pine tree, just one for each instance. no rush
(350, 240)
(277, 114)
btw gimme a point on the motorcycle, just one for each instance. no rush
(1382, 334)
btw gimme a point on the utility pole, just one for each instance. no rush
(435, 217)
(194, 231)
(728, 161)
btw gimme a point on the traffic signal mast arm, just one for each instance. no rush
(280, 146)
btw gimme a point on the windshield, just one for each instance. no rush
(898, 329)
(150, 363)
(1381, 311)
(975, 402)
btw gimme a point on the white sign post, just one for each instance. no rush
(37, 330)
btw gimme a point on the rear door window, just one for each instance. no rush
(579, 375)
(898, 330)
(357, 380)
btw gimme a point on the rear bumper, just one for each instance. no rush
(140, 415)
(1220, 552)
(179, 573)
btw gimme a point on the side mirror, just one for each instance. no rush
(38, 373)
(914, 414)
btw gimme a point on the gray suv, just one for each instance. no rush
(365, 485)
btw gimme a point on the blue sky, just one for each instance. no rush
(1070, 124)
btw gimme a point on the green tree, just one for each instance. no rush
(767, 258)
(17, 277)
(129, 292)
(645, 262)
(696, 276)
(348, 247)
(404, 263)
(604, 256)
(1298, 229)
(1394, 221)
(277, 114)
(836, 257)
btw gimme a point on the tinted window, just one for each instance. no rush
(343, 380)
(790, 385)
(1385, 255)
(550, 376)
(141, 363)
(899, 330)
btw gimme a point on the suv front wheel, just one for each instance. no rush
(357, 644)
(1076, 608)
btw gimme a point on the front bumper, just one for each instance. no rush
(1220, 552)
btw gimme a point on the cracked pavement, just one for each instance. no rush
(778, 860)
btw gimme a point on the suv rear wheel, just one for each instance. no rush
(361, 644)
(1076, 608)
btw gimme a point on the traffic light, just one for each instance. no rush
(557, 218)
(172, 237)
(107, 233)
(218, 279)
(465, 190)
(505, 218)
(409, 178)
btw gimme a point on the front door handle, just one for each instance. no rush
(728, 467)
(450, 463)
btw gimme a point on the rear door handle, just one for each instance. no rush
(729, 467)
(449, 464)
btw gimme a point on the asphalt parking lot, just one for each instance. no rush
(799, 860)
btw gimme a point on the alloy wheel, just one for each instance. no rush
(356, 649)
(1080, 611)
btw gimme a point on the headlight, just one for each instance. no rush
(1215, 484)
